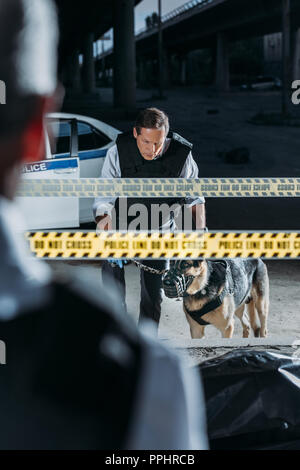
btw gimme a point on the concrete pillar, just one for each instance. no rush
(296, 61)
(286, 56)
(103, 70)
(142, 72)
(153, 67)
(166, 68)
(88, 70)
(183, 70)
(160, 55)
(222, 62)
(75, 77)
(124, 55)
(189, 69)
(213, 52)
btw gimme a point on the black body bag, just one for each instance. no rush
(252, 400)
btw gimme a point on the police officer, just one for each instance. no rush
(78, 374)
(150, 151)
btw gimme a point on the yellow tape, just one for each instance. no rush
(89, 245)
(161, 187)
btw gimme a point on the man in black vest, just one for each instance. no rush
(75, 373)
(150, 151)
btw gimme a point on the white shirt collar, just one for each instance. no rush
(24, 281)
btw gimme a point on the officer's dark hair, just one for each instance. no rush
(152, 118)
(28, 60)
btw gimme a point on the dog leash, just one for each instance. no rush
(148, 269)
(152, 271)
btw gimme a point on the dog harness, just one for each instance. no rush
(215, 303)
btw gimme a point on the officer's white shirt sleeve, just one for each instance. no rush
(190, 170)
(169, 408)
(111, 169)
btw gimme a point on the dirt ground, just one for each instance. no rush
(284, 317)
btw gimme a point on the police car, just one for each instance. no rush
(75, 147)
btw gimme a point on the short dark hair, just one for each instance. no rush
(152, 118)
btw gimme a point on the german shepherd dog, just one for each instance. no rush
(213, 291)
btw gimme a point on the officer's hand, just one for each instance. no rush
(118, 262)
(104, 222)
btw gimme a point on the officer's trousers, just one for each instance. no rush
(151, 287)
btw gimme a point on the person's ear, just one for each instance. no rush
(135, 134)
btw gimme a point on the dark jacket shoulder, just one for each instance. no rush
(181, 140)
(71, 374)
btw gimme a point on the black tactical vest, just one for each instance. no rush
(133, 165)
(65, 385)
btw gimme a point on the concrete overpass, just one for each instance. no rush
(213, 23)
(83, 22)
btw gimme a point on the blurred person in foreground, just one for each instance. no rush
(78, 374)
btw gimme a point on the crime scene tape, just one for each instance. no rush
(161, 187)
(89, 245)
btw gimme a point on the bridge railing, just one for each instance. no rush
(184, 8)
(169, 16)
(177, 12)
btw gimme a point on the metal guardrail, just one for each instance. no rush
(177, 12)
(184, 8)
(169, 16)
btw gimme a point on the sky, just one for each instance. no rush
(145, 8)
